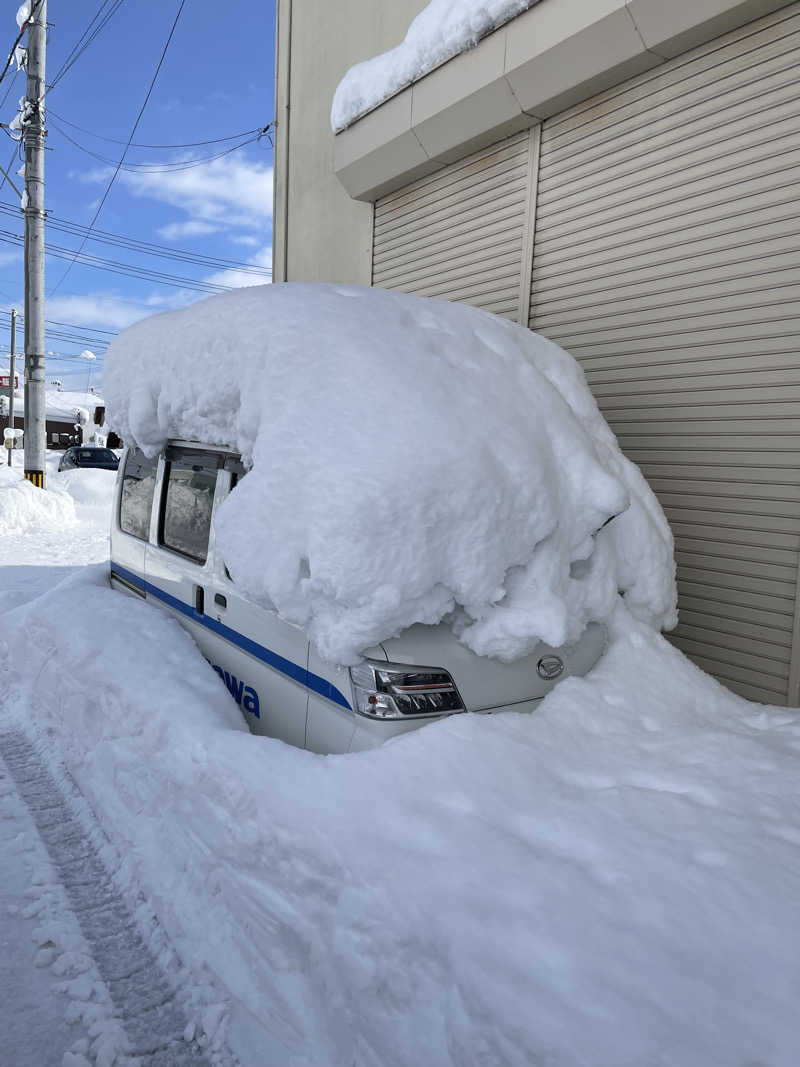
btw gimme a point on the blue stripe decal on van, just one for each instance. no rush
(279, 663)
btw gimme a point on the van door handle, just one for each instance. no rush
(199, 599)
(220, 600)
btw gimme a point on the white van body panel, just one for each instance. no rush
(281, 703)
(331, 725)
(484, 683)
(283, 686)
(273, 702)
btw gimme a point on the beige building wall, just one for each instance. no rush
(320, 234)
(651, 227)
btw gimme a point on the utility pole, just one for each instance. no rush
(11, 362)
(34, 133)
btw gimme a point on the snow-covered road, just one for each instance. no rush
(32, 1020)
(122, 998)
(81, 984)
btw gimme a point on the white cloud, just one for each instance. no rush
(228, 191)
(231, 194)
(106, 311)
(193, 228)
(238, 279)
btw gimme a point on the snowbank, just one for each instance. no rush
(44, 534)
(442, 30)
(411, 459)
(24, 507)
(613, 880)
(89, 487)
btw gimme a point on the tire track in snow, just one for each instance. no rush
(153, 1021)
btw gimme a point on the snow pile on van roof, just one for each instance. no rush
(442, 30)
(412, 460)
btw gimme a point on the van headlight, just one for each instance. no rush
(394, 691)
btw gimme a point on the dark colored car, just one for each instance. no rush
(85, 456)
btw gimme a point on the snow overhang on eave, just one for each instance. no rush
(552, 56)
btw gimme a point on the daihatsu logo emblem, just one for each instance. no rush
(549, 667)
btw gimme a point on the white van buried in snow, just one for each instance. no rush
(163, 548)
(395, 509)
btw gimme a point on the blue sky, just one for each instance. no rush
(217, 80)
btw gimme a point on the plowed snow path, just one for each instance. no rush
(33, 1029)
(141, 999)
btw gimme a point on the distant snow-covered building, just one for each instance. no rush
(71, 417)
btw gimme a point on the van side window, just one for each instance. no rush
(136, 502)
(186, 518)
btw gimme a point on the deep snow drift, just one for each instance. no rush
(613, 880)
(441, 30)
(22, 506)
(412, 459)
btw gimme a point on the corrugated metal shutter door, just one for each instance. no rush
(666, 259)
(457, 234)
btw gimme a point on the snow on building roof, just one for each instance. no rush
(66, 401)
(412, 459)
(60, 405)
(444, 29)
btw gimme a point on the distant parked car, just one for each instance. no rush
(83, 456)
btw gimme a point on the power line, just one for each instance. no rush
(23, 27)
(132, 244)
(136, 144)
(58, 322)
(127, 146)
(74, 326)
(154, 168)
(85, 39)
(80, 334)
(113, 266)
(10, 165)
(10, 87)
(60, 356)
(73, 51)
(88, 336)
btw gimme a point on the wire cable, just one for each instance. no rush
(132, 244)
(84, 332)
(84, 41)
(10, 165)
(79, 333)
(154, 168)
(24, 27)
(127, 146)
(125, 269)
(79, 42)
(64, 356)
(137, 144)
(10, 87)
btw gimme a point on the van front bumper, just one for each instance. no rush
(370, 733)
